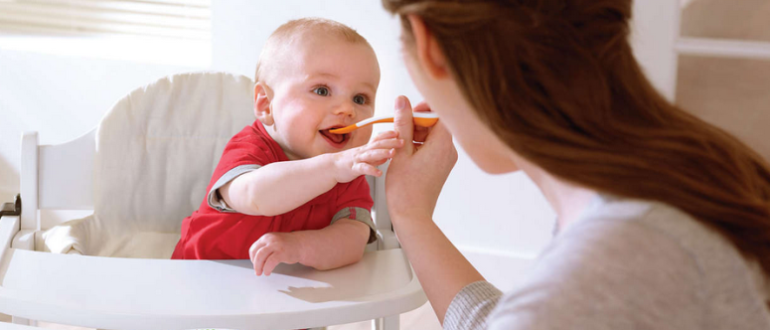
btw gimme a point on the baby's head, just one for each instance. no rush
(314, 75)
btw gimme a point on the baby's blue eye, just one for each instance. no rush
(359, 99)
(323, 91)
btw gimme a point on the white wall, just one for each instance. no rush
(654, 34)
(62, 97)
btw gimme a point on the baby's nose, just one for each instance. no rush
(345, 109)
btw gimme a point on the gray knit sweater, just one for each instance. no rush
(625, 264)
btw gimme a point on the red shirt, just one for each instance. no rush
(212, 234)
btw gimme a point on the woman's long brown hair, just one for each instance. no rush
(557, 81)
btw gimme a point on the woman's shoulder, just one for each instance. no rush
(648, 227)
(653, 236)
(630, 262)
(622, 237)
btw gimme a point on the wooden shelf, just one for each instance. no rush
(724, 48)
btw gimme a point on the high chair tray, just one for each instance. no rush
(120, 293)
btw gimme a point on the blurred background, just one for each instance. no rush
(64, 63)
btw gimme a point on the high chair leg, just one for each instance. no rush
(386, 323)
(23, 321)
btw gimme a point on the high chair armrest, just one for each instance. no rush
(387, 240)
(24, 239)
(10, 224)
(12, 208)
(9, 227)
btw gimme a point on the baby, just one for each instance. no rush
(286, 190)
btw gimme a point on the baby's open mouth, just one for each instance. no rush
(335, 139)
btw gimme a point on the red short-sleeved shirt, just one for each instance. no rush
(213, 232)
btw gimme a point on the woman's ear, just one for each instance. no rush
(262, 104)
(429, 53)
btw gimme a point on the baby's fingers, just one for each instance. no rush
(376, 155)
(385, 144)
(366, 169)
(254, 248)
(378, 163)
(259, 261)
(385, 135)
(271, 263)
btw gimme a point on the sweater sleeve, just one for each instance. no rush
(471, 307)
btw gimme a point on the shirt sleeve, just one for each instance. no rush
(243, 154)
(358, 214)
(214, 199)
(604, 275)
(355, 202)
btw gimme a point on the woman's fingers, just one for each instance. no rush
(415, 179)
(421, 132)
(439, 134)
(421, 107)
(443, 151)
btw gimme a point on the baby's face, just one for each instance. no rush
(325, 83)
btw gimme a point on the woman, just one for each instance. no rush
(663, 219)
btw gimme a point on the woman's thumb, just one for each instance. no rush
(404, 124)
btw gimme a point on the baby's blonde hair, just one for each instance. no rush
(294, 30)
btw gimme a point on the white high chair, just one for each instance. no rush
(143, 170)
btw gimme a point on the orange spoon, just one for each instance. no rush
(424, 119)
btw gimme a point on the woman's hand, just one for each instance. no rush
(363, 160)
(415, 177)
(417, 171)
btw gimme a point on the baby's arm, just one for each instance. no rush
(337, 245)
(277, 188)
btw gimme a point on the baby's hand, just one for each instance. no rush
(363, 160)
(274, 248)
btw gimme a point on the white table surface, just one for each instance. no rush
(11, 326)
(118, 293)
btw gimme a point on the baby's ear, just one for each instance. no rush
(262, 104)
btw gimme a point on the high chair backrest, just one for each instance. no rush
(157, 148)
(148, 163)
